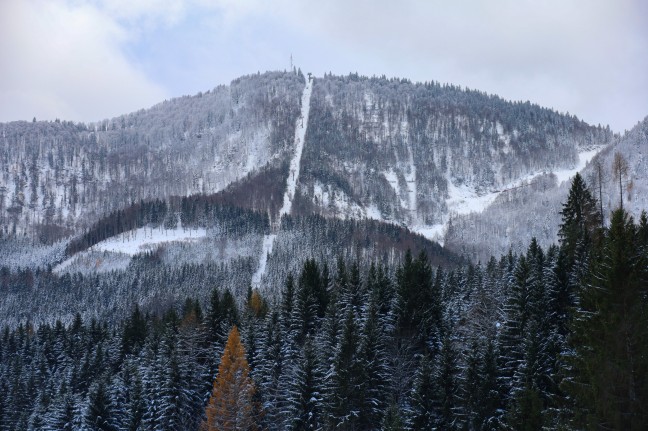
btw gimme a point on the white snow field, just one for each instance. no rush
(410, 178)
(464, 200)
(295, 162)
(137, 241)
(291, 186)
(268, 243)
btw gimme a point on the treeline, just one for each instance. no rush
(208, 211)
(102, 284)
(329, 239)
(260, 191)
(43, 297)
(132, 217)
(368, 233)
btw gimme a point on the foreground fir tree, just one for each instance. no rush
(345, 400)
(231, 405)
(447, 387)
(610, 335)
(305, 396)
(580, 216)
(375, 374)
(267, 373)
(579, 231)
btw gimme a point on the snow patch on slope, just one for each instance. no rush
(295, 162)
(410, 178)
(147, 239)
(463, 199)
(268, 243)
(392, 179)
(340, 204)
(584, 158)
(137, 241)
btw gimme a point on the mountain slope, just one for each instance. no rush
(519, 214)
(394, 150)
(57, 178)
(413, 154)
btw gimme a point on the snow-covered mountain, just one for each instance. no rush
(57, 178)
(416, 154)
(425, 156)
(294, 210)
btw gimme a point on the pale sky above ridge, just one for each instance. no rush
(89, 60)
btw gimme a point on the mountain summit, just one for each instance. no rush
(413, 154)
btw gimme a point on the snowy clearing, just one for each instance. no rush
(139, 240)
(410, 178)
(268, 243)
(463, 200)
(293, 178)
(583, 159)
(392, 179)
(144, 239)
(295, 162)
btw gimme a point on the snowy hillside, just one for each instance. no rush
(517, 215)
(58, 177)
(421, 155)
(465, 200)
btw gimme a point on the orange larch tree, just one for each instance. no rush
(231, 406)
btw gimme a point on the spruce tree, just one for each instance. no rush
(490, 392)
(516, 309)
(610, 335)
(134, 332)
(345, 400)
(447, 387)
(373, 366)
(473, 382)
(306, 306)
(580, 218)
(270, 365)
(423, 411)
(305, 398)
(98, 415)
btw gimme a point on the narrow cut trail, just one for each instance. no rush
(291, 183)
(410, 178)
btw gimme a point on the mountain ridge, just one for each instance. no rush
(381, 148)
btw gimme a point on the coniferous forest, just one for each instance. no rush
(553, 338)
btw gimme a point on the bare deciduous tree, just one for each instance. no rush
(620, 170)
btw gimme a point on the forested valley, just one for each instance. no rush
(553, 338)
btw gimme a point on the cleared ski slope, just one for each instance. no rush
(291, 186)
(295, 162)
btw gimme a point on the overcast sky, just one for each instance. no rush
(89, 60)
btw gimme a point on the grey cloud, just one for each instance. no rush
(587, 57)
